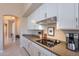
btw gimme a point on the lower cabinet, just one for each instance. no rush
(45, 52)
(36, 50)
(23, 41)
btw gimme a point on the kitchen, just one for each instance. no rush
(39, 29)
(51, 29)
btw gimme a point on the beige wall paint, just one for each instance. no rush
(9, 9)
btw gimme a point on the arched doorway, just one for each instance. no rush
(10, 30)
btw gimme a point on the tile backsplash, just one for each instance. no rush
(59, 35)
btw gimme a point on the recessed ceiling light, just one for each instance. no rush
(12, 17)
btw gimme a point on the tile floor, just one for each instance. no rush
(14, 49)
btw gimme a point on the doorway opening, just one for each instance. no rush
(10, 30)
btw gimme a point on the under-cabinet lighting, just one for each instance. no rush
(40, 27)
(34, 21)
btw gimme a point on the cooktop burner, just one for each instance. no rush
(49, 43)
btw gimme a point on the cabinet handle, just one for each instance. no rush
(77, 22)
(39, 53)
(76, 19)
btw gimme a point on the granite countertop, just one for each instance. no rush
(59, 49)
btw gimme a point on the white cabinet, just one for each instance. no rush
(45, 52)
(42, 12)
(37, 15)
(22, 41)
(51, 10)
(35, 49)
(31, 47)
(41, 51)
(67, 16)
(26, 43)
(77, 16)
(47, 10)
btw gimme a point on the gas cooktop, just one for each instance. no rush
(49, 43)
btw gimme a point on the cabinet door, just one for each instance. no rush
(45, 52)
(51, 10)
(76, 16)
(35, 49)
(32, 49)
(29, 47)
(26, 43)
(66, 16)
(37, 15)
(42, 54)
(42, 12)
(22, 41)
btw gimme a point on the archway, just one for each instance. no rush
(11, 25)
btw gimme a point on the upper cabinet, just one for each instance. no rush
(37, 15)
(47, 10)
(77, 15)
(67, 16)
(66, 13)
(51, 10)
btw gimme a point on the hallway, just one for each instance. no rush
(14, 50)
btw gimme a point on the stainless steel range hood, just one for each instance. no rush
(48, 21)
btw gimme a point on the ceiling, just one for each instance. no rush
(31, 8)
(11, 8)
(6, 8)
(5, 5)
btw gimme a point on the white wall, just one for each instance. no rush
(23, 26)
(8, 9)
